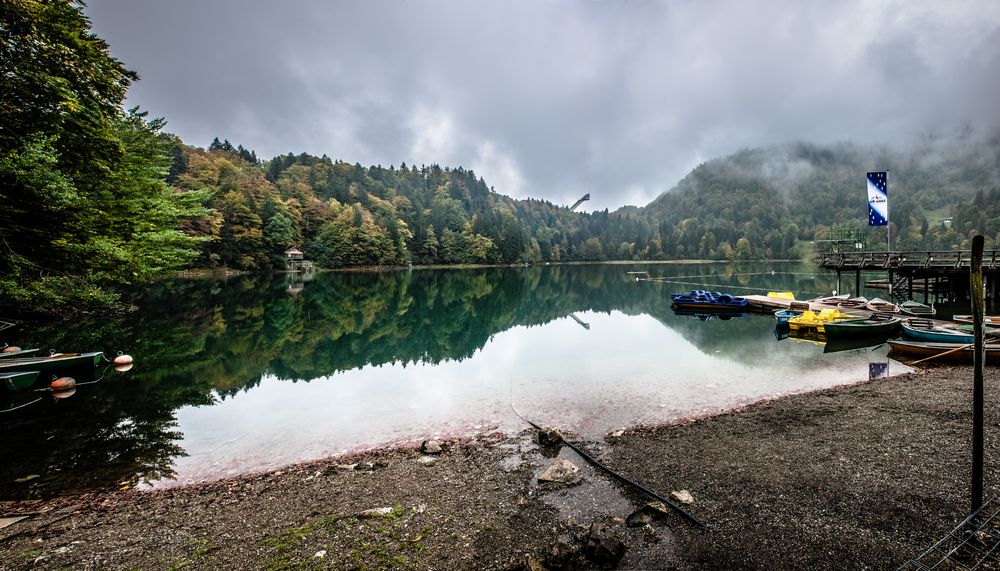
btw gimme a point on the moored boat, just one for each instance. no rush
(859, 302)
(943, 351)
(934, 332)
(793, 309)
(882, 306)
(54, 362)
(988, 320)
(832, 299)
(877, 324)
(17, 380)
(917, 309)
(701, 300)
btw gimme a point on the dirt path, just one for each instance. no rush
(862, 477)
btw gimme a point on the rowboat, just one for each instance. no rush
(854, 303)
(701, 300)
(943, 351)
(917, 309)
(795, 308)
(988, 320)
(927, 330)
(877, 324)
(832, 299)
(882, 306)
(17, 380)
(52, 362)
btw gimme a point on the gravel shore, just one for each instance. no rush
(858, 477)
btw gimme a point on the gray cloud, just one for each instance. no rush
(554, 99)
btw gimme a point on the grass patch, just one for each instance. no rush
(389, 541)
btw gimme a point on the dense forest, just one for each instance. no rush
(761, 203)
(97, 197)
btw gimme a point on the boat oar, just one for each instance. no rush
(950, 351)
(633, 483)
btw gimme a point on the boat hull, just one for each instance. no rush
(51, 363)
(950, 352)
(861, 328)
(935, 334)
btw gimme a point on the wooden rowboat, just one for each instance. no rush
(882, 306)
(950, 352)
(988, 320)
(917, 309)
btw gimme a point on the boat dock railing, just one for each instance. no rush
(944, 260)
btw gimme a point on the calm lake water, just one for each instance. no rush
(248, 373)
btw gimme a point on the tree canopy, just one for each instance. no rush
(82, 180)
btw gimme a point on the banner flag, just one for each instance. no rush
(878, 199)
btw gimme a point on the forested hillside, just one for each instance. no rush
(346, 215)
(760, 203)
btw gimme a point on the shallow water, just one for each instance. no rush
(248, 373)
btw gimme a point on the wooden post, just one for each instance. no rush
(977, 294)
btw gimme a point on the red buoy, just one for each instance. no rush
(123, 368)
(123, 359)
(11, 349)
(63, 384)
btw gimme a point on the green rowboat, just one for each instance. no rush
(54, 362)
(872, 326)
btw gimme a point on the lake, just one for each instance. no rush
(247, 373)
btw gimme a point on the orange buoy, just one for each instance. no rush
(123, 368)
(11, 349)
(63, 384)
(64, 393)
(123, 359)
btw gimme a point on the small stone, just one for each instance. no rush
(604, 548)
(649, 530)
(320, 554)
(683, 496)
(549, 437)
(428, 460)
(521, 500)
(347, 467)
(618, 434)
(431, 447)
(639, 518)
(561, 471)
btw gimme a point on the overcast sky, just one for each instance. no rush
(550, 98)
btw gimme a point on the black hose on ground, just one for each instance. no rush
(616, 475)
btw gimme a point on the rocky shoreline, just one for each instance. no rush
(859, 477)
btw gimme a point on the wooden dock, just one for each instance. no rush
(941, 274)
